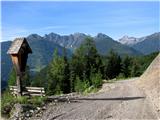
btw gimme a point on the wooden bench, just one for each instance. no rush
(31, 91)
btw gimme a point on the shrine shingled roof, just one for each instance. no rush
(16, 46)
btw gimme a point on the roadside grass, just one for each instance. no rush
(8, 101)
(90, 90)
(116, 79)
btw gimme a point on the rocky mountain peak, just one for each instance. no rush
(34, 37)
(79, 34)
(51, 36)
(102, 36)
(128, 40)
(154, 35)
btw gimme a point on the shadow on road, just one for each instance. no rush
(117, 98)
(53, 118)
(64, 99)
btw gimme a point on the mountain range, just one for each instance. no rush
(145, 45)
(43, 48)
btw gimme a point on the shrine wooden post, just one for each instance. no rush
(19, 51)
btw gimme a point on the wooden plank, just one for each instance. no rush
(28, 93)
(38, 91)
(13, 86)
(37, 94)
(34, 88)
(13, 89)
(37, 88)
(32, 91)
(16, 63)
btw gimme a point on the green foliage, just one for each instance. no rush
(120, 76)
(12, 78)
(40, 79)
(84, 71)
(126, 63)
(7, 102)
(58, 90)
(144, 61)
(135, 66)
(81, 86)
(58, 75)
(78, 85)
(96, 79)
(85, 61)
(66, 84)
(72, 74)
(26, 78)
(113, 66)
(135, 70)
(90, 89)
(22, 99)
(37, 101)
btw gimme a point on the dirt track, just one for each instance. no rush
(120, 100)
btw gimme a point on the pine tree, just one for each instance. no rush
(113, 66)
(126, 64)
(66, 83)
(56, 74)
(72, 67)
(86, 58)
(135, 69)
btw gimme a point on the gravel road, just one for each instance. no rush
(119, 100)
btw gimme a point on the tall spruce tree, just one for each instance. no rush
(59, 74)
(126, 66)
(135, 69)
(92, 58)
(113, 66)
(73, 73)
(85, 61)
(56, 74)
(66, 85)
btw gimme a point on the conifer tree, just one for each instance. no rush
(56, 74)
(126, 66)
(135, 69)
(86, 58)
(113, 67)
(66, 84)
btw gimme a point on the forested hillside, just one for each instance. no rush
(86, 68)
(43, 48)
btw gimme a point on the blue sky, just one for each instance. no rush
(115, 19)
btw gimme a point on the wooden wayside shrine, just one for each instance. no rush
(19, 51)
